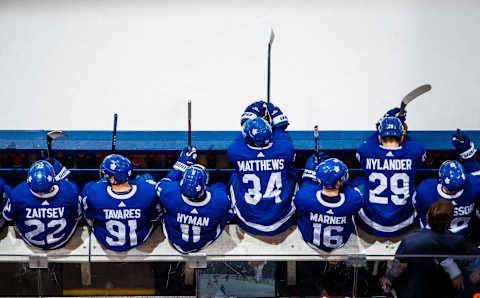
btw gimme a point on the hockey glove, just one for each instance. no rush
(186, 159)
(278, 119)
(311, 165)
(463, 145)
(61, 172)
(256, 109)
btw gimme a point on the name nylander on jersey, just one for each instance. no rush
(323, 223)
(191, 226)
(263, 184)
(121, 221)
(45, 221)
(387, 209)
(430, 190)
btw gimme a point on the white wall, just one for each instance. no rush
(336, 63)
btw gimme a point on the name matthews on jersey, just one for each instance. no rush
(56, 212)
(389, 164)
(261, 165)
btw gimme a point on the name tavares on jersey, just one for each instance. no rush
(258, 165)
(122, 213)
(56, 212)
(388, 164)
(192, 220)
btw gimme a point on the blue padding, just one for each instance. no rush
(203, 140)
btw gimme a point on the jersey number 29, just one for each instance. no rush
(398, 185)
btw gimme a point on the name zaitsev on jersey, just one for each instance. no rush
(56, 212)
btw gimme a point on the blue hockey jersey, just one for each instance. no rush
(326, 223)
(430, 190)
(263, 185)
(191, 226)
(387, 209)
(46, 221)
(121, 221)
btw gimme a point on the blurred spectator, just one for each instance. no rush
(423, 276)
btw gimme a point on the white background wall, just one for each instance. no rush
(336, 63)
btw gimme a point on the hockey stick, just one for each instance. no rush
(412, 95)
(270, 42)
(114, 134)
(189, 125)
(52, 135)
(315, 135)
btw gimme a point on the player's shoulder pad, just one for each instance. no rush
(166, 186)
(19, 191)
(217, 187)
(308, 189)
(68, 185)
(414, 146)
(429, 184)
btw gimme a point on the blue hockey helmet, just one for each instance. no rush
(258, 131)
(390, 127)
(41, 177)
(452, 175)
(117, 167)
(329, 171)
(194, 181)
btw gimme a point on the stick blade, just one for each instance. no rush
(52, 135)
(272, 37)
(416, 93)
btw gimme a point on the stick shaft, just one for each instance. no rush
(49, 148)
(114, 134)
(189, 125)
(315, 135)
(268, 72)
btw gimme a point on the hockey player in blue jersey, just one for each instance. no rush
(390, 165)
(456, 186)
(326, 205)
(263, 183)
(121, 212)
(195, 214)
(45, 211)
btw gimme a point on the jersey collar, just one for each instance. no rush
(197, 204)
(393, 149)
(46, 195)
(260, 148)
(122, 196)
(447, 196)
(328, 204)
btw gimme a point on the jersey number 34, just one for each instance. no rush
(273, 190)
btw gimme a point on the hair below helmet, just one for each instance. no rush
(329, 171)
(390, 127)
(452, 175)
(117, 167)
(258, 131)
(194, 181)
(41, 177)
